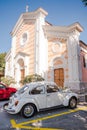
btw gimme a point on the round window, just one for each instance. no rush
(24, 38)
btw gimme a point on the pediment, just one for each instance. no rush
(28, 17)
(21, 54)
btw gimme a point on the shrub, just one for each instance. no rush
(32, 78)
(8, 80)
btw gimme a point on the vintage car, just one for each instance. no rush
(6, 92)
(37, 96)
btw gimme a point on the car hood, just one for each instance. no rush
(13, 88)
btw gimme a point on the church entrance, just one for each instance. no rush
(22, 69)
(22, 73)
(59, 77)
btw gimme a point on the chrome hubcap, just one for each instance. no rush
(28, 111)
(73, 103)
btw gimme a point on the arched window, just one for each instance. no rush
(84, 62)
(24, 38)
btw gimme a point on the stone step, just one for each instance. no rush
(83, 98)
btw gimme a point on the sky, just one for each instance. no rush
(60, 13)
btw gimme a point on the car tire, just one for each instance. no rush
(28, 110)
(5, 105)
(73, 103)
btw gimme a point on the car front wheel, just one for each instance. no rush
(72, 103)
(28, 110)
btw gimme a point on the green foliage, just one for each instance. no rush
(32, 78)
(8, 80)
(2, 62)
(84, 2)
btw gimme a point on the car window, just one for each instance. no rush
(23, 89)
(38, 90)
(52, 88)
(2, 86)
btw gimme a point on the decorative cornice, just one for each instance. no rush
(76, 26)
(83, 49)
(82, 44)
(40, 10)
(21, 54)
(61, 31)
(56, 34)
(26, 17)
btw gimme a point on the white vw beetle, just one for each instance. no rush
(37, 96)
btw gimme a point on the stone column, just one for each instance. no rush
(73, 63)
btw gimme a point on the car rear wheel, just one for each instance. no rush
(28, 110)
(72, 103)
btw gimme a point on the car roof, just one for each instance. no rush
(41, 83)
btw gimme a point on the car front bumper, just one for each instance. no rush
(9, 109)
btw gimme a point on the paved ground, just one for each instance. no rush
(61, 118)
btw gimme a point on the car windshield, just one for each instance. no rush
(2, 86)
(23, 89)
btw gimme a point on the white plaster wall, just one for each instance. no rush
(41, 47)
(36, 48)
(26, 65)
(73, 66)
(9, 67)
(12, 55)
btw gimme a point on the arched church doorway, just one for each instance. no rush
(22, 68)
(59, 77)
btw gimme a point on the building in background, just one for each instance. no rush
(54, 52)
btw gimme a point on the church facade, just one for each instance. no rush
(54, 52)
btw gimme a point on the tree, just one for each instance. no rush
(84, 2)
(2, 60)
(2, 64)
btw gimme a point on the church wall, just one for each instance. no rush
(55, 49)
(28, 47)
(59, 54)
(83, 66)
